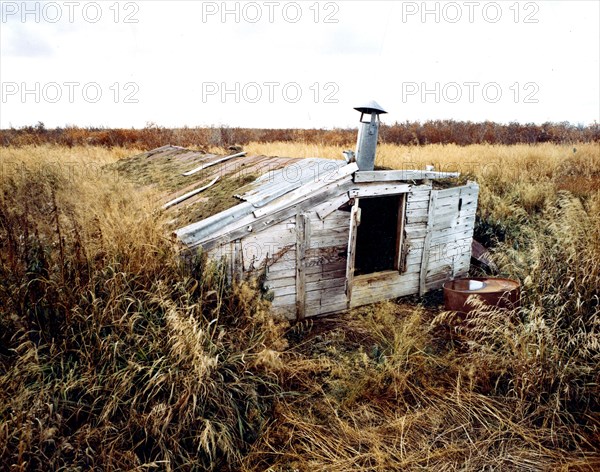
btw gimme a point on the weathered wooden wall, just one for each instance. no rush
(448, 247)
(305, 256)
(320, 259)
(316, 247)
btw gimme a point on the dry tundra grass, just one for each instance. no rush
(116, 354)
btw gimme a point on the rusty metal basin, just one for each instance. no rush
(503, 293)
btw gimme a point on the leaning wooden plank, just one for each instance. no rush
(238, 260)
(400, 255)
(327, 208)
(210, 164)
(391, 175)
(426, 244)
(336, 219)
(302, 242)
(351, 254)
(180, 199)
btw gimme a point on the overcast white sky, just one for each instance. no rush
(279, 64)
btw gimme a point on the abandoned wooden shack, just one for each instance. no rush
(326, 235)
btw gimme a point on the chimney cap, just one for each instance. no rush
(371, 107)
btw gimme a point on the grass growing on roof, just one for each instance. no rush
(215, 199)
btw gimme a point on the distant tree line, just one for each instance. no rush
(408, 133)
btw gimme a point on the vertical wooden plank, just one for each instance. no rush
(399, 265)
(302, 243)
(351, 253)
(230, 261)
(238, 261)
(427, 243)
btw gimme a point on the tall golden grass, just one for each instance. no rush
(118, 354)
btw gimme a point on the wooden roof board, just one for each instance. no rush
(278, 182)
(190, 194)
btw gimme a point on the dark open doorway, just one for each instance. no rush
(378, 236)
